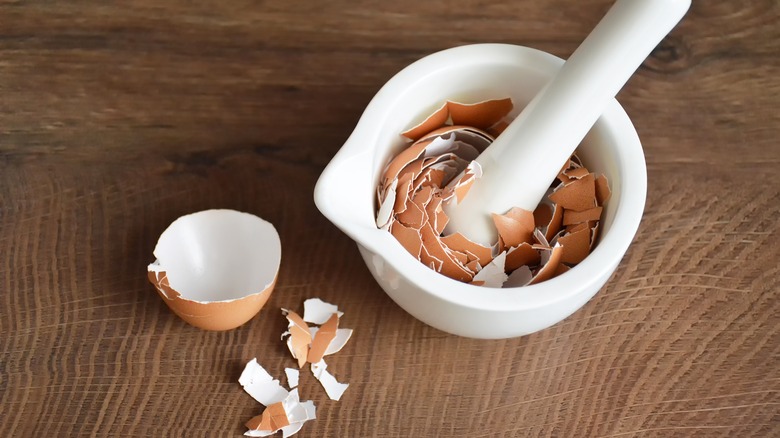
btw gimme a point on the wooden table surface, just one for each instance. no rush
(117, 119)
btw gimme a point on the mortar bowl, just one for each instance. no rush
(345, 192)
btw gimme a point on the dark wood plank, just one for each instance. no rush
(116, 119)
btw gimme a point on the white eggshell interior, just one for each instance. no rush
(218, 255)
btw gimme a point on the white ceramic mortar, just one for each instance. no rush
(345, 192)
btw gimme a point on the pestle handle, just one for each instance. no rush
(519, 166)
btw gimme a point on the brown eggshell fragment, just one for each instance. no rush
(578, 195)
(409, 238)
(406, 157)
(555, 223)
(463, 187)
(272, 419)
(441, 218)
(576, 227)
(576, 246)
(300, 337)
(550, 268)
(459, 242)
(524, 254)
(602, 190)
(323, 338)
(594, 235)
(413, 216)
(543, 215)
(450, 266)
(428, 260)
(480, 115)
(436, 214)
(576, 172)
(403, 192)
(514, 227)
(562, 269)
(498, 128)
(216, 268)
(460, 257)
(571, 217)
(435, 120)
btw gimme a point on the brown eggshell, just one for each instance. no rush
(323, 338)
(300, 337)
(459, 242)
(576, 172)
(550, 268)
(409, 238)
(571, 217)
(524, 254)
(216, 315)
(480, 115)
(435, 120)
(578, 195)
(272, 419)
(514, 227)
(576, 246)
(602, 190)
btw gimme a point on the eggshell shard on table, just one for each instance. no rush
(324, 336)
(216, 268)
(317, 311)
(292, 377)
(260, 385)
(272, 419)
(333, 388)
(438, 168)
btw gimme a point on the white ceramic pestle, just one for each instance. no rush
(520, 165)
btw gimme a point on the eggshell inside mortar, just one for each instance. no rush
(216, 268)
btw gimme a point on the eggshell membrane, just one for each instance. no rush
(216, 268)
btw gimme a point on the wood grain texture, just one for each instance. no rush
(116, 119)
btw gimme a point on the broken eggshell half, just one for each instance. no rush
(216, 268)
(345, 192)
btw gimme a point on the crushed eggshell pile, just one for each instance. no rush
(438, 168)
(284, 410)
